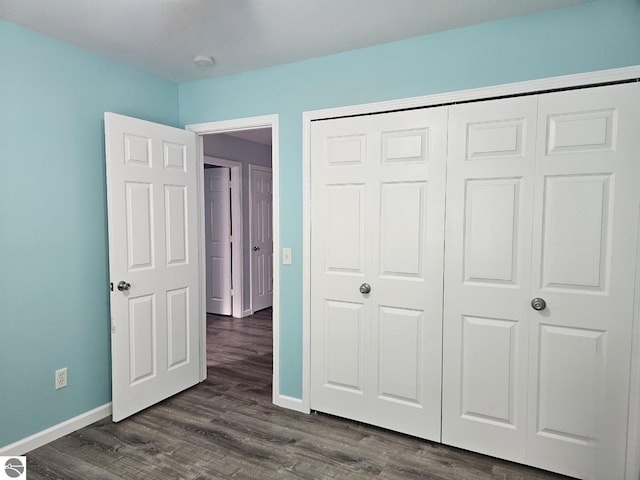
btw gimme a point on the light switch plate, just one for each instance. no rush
(286, 256)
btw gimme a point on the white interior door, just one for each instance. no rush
(586, 202)
(542, 202)
(377, 197)
(153, 261)
(490, 168)
(217, 208)
(261, 200)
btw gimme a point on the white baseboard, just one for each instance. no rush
(247, 313)
(53, 433)
(290, 402)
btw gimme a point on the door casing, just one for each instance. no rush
(512, 89)
(248, 123)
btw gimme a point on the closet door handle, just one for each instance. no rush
(538, 304)
(365, 288)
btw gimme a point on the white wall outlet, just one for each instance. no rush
(61, 378)
(286, 256)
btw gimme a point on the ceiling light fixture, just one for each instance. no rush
(203, 61)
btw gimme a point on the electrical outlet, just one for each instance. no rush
(61, 378)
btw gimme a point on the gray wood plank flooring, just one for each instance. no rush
(227, 427)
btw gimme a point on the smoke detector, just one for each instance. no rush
(203, 61)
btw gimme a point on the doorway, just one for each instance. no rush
(226, 134)
(245, 201)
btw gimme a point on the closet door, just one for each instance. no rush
(377, 235)
(585, 238)
(490, 169)
(542, 203)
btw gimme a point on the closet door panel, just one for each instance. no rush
(585, 238)
(378, 223)
(340, 263)
(490, 169)
(406, 296)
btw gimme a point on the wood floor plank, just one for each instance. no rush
(227, 428)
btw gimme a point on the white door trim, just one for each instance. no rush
(236, 227)
(264, 121)
(566, 81)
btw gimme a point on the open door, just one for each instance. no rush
(153, 262)
(261, 234)
(217, 208)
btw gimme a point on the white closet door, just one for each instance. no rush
(585, 223)
(378, 209)
(546, 387)
(490, 168)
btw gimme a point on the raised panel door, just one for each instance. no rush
(585, 237)
(490, 168)
(378, 214)
(217, 211)
(261, 199)
(340, 250)
(152, 202)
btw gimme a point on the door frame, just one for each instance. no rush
(484, 93)
(253, 168)
(236, 227)
(223, 126)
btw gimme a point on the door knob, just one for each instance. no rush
(256, 248)
(124, 286)
(538, 304)
(365, 288)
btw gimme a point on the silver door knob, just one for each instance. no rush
(124, 286)
(538, 304)
(256, 248)
(365, 288)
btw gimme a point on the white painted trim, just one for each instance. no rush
(290, 402)
(248, 123)
(565, 81)
(202, 271)
(253, 168)
(264, 121)
(275, 169)
(306, 260)
(237, 262)
(57, 431)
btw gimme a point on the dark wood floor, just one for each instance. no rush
(227, 427)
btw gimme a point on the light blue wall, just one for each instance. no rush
(597, 35)
(53, 237)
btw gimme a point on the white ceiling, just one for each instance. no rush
(162, 36)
